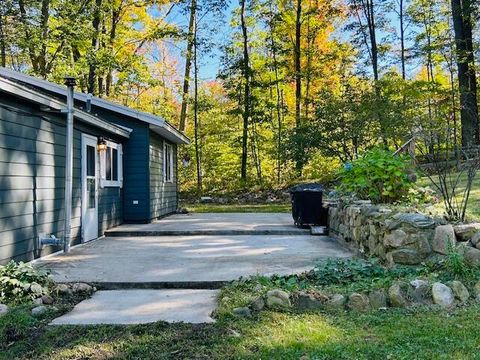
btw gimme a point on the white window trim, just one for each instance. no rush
(103, 169)
(165, 146)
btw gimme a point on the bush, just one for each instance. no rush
(21, 282)
(378, 175)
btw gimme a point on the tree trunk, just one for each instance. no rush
(92, 72)
(246, 110)
(298, 77)
(462, 24)
(188, 64)
(402, 38)
(278, 94)
(43, 56)
(28, 37)
(113, 35)
(198, 158)
(3, 37)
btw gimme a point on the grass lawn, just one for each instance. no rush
(242, 208)
(392, 334)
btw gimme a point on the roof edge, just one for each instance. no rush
(151, 119)
(33, 96)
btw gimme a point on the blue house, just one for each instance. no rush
(124, 166)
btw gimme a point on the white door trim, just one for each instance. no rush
(89, 215)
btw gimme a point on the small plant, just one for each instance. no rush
(378, 175)
(455, 265)
(345, 272)
(21, 282)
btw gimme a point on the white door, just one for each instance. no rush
(89, 188)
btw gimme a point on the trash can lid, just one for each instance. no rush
(306, 188)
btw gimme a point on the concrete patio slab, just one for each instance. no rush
(213, 224)
(142, 306)
(188, 261)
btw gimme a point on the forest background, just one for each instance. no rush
(271, 92)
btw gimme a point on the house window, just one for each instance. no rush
(111, 165)
(168, 163)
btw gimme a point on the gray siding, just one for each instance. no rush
(32, 148)
(163, 195)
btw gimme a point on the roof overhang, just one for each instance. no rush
(156, 123)
(41, 99)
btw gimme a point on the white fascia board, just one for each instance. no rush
(33, 96)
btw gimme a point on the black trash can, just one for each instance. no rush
(307, 206)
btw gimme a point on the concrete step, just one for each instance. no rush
(124, 307)
(160, 285)
(119, 232)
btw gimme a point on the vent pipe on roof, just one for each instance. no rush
(88, 105)
(67, 229)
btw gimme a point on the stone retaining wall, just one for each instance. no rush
(399, 237)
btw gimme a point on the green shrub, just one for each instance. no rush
(21, 282)
(378, 175)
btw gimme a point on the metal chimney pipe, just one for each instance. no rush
(67, 229)
(89, 102)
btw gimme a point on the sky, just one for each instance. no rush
(209, 64)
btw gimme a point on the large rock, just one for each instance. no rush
(418, 221)
(336, 302)
(308, 301)
(258, 304)
(397, 295)
(405, 257)
(82, 288)
(442, 295)
(63, 289)
(3, 309)
(39, 310)
(444, 239)
(465, 232)
(378, 299)
(476, 291)
(475, 240)
(278, 298)
(242, 312)
(358, 302)
(459, 291)
(47, 300)
(396, 238)
(420, 292)
(472, 256)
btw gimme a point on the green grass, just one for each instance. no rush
(232, 208)
(392, 334)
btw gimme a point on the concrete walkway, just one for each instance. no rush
(201, 251)
(184, 260)
(214, 224)
(142, 306)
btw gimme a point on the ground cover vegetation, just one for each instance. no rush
(420, 332)
(270, 92)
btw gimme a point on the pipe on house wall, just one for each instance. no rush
(67, 229)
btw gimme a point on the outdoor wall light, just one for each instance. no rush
(101, 144)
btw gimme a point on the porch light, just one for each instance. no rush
(186, 160)
(101, 144)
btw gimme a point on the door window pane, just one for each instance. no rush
(90, 160)
(114, 164)
(91, 193)
(109, 164)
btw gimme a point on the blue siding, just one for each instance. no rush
(135, 167)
